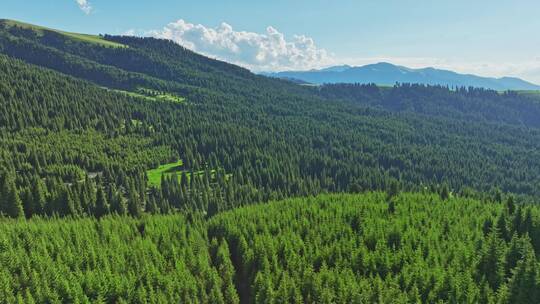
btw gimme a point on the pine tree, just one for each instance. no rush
(213, 208)
(445, 192)
(393, 190)
(226, 272)
(391, 207)
(28, 202)
(527, 222)
(39, 196)
(263, 288)
(152, 206)
(524, 286)
(10, 203)
(134, 205)
(71, 205)
(102, 206)
(510, 205)
(117, 202)
(497, 197)
(492, 261)
(502, 227)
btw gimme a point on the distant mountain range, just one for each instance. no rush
(388, 74)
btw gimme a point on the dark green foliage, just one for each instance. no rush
(247, 138)
(102, 206)
(469, 104)
(445, 193)
(429, 252)
(10, 202)
(491, 265)
(524, 287)
(510, 205)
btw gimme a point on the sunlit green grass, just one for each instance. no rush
(82, 37)
(530, 93)
(156, 96)
(154, 175)
(93, 39)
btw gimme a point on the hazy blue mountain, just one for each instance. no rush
(388, 74)
(337, 68)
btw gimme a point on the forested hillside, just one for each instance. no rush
(468, 104)
(369, 248)
(133, 170)
(82, 122)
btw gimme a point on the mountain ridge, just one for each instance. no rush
(384, 73)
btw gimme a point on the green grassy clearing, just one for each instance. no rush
(161, 96)
(95, 39)
(134, 94)
(136, 122)
(154, 175)
(155, 96)
(530, 93)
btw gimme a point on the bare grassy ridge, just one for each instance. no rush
(94, 39)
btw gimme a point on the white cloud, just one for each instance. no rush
(85, 6)
(269, 51)
(272, 51)
(132, 32)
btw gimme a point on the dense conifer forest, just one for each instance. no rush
(364, 248)
(129, 167)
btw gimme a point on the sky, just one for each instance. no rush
(488, 38)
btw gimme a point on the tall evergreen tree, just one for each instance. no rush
(524, 287)
(39, 196)
(10, 202)
(134, 204)
(102, 205)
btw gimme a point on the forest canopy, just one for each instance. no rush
(368, 248)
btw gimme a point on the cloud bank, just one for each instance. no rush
(85, 6)
(269, 51)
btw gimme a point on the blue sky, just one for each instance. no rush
(491, 38)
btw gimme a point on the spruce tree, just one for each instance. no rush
(102, 206)
(510, 205)
(11, 204)
(226, 272)
(134, 205)
(213, 208)
(524, 286)
(445, 192)
(491, 266)
(39, 195)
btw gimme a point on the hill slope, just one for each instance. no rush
(389, 74)
(40, 31)
(82, 124)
